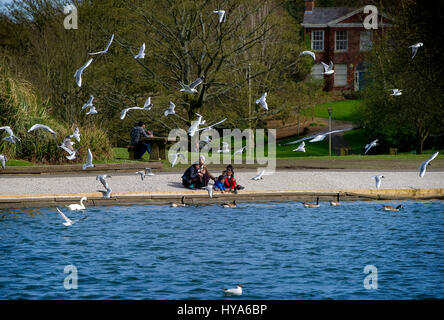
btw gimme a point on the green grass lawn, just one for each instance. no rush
(341, 110)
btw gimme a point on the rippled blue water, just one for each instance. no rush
(276, 250)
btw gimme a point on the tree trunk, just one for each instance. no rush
(420, 146)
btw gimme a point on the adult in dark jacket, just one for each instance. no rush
(191, 177)
(136, 133)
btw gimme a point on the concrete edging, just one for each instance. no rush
(201, 197)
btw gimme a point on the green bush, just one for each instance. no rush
(21, 107)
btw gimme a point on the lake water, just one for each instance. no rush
(276, 250)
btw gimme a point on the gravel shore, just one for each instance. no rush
(171, 182)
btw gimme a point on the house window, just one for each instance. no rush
(317, 40)
(365, 40)
(340, 75)
(317, 71)
(341, 42)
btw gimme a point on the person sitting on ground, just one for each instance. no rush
(206, 175)
(219, 184)
(192, 177)
(136, 133)
(230, 181)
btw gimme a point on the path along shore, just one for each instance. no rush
(44, 190)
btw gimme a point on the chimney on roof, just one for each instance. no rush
(309, 6)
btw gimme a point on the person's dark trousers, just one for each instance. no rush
(195, 183)
(141, 148)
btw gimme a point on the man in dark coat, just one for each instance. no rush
(136, 133)
(191, 178)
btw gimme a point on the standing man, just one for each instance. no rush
(136, 133)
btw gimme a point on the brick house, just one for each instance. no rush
(338, 35)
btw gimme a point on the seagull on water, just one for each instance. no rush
(68, 222)
(170, 110)
(102, 178)
(262, 101)
(328, 69)
(415, 48)
(3, 160)
(191, 88)
(310, 53)
(11, 138)
(141, 53)
(396, 92)
(259, 176)
(423, 167)
(89, 160)
(378, 180)
(106, 49)
(41, 126)
(76, 206)
(234, 291)
(221, 14)
(175, 157)
(78, 74)
(370, 145)
(225, 148)
(301, 147)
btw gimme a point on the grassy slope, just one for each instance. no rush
(341, 110)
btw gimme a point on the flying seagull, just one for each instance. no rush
(147, 106)
(102, 178)
(241, 150)
(221, 14)
(141, 53)
(415, 48)
(301, 147)
(76, 135)
(396, 92)
(328, 69)
(147, 172)
(92, 110)
(41, 126)
(89, 160)
(212, 126)
(106, 49)
(191, 88)
(225, 148)
(88, 104)
(175, 157)
(195, 126)
(370, 145)
(234, 291)
(310, 53)
(68, 222)
(11, 138)
(78, 74)
(259, 176)
(67, 145)
(209, 189)
(3, 160)
(262, 101)
(170, 110)
(378, 180)
(106, 194)
(423, 167)
(318, 137)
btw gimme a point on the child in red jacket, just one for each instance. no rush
(230, 181)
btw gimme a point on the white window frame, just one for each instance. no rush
(312, 41)
(346, 41)
(369, 38)
(336, 73)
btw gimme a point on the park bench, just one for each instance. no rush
(159, 147)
